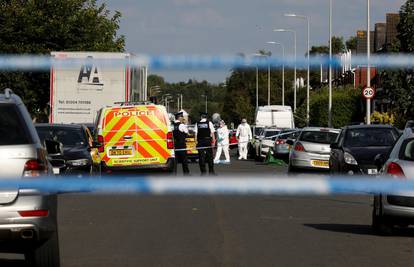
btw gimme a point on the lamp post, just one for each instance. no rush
(206, 101)
(294, 75)
(283, 69)
(257, 80)
(308, 74)
(368, 61)
(330, 67)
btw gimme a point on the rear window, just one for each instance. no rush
(290, 134)
(13, 129)
(67, 136)
(407, 150)
(367, 137)
(318, 137)
(271, 134)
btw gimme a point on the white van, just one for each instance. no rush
(275, 116)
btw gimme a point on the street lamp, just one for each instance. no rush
(206, 100)
(368, 63)
(257, 81)
(283, 69)
(294, 76)
(307, 84)
(330, 67)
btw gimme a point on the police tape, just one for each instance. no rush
(225, 185)
(198, 62)
(228, 143)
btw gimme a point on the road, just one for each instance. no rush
(130, 230)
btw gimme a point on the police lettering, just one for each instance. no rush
(134, 113)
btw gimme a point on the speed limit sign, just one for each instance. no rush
(368, 93)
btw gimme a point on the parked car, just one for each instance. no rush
(391, 210)
(311, 149)
(267, 141)
(357, 146)
(281, 149)
(28, 219)
(78, 152)
(233, 139)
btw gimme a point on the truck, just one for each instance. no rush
(79, 90)
(275, 116)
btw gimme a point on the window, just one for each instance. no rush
(318, 137)
(13, 129)
(366, 137)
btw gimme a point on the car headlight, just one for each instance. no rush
(349, 159)
(78, 162)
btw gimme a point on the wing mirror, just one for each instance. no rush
(379, 161)
(334, 146)
(289, 142)
(53, 148)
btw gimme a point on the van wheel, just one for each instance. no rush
(45, 255)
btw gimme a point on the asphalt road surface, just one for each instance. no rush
(130, 230)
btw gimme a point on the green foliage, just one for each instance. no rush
(39, 27)
(346, 108)
(406, 27)
(351, 43)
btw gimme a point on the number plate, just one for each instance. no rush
(372, 171)
(120, 152)
(320, 163)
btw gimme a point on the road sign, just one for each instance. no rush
(368, 92)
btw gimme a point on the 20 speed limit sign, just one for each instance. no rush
(368, 93)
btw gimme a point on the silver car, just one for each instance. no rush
(281, 149)
(312, 148)
(28, 222)
(391, 210)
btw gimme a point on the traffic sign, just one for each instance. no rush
(368, 92)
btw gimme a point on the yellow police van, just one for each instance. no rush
(134, 136)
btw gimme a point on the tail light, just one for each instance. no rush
(34, 168)
(34, 213)
(101, 141)
(280, 142)
(395, 170)
(170, 142)
(299, 147)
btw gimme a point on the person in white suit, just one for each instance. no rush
(244, 135)
(222, 143)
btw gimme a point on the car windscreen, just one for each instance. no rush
(320, 137)
(271, 134)
(67, 136)
(288, 134)
(13, 128)
(258, 130)
(369, 137)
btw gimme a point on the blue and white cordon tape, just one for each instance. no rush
(198, 62)
(218, 185)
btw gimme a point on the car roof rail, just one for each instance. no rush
(8, 92)
(134, 103)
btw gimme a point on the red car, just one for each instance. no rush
(232, 139)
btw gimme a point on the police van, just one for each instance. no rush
(134, 136)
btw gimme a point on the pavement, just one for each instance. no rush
(131, 230)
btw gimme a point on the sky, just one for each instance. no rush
(228, 27)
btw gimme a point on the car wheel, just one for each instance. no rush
(291, 169)
(45, 255)
(380, 225)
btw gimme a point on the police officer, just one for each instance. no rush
(204, 131)
(180, 133)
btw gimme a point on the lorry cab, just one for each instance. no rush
(134, 136)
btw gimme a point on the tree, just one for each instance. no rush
(39, 27)
(351, 43)
(406, 27)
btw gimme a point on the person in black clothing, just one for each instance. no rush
(204, 131)
(180, 133)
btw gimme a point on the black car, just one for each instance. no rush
(77, 146)
(357, 146)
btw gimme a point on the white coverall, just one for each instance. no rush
(222, 143)
(244, 135)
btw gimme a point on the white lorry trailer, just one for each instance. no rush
(78, 91)
(275, 116)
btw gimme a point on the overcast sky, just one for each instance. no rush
(230, 26)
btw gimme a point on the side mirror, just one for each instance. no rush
(379, 161)
(334, 146)
(53, 148)
(289, 142)
(96, 144)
